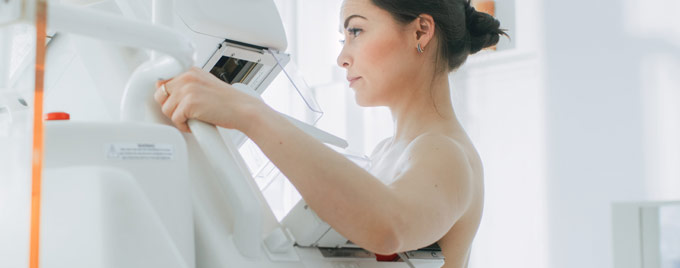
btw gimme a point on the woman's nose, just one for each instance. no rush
(343, 59)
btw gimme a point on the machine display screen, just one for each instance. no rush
(233, 70)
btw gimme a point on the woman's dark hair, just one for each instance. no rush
(461, 29)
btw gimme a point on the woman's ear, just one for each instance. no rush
(425, 30)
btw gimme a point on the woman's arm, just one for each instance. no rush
(416, 210)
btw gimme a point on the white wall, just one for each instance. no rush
(582, 114)
(601, 134)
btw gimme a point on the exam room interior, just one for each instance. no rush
(580, 110)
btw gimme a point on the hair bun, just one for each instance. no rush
(483, 28)
(461, 30)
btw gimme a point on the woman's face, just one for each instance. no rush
(379, 54)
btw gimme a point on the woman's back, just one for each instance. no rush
(456, 244)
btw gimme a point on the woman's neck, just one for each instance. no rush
(427, 107)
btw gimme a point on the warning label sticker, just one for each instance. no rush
(139, 151)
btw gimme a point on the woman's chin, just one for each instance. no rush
(363, 101)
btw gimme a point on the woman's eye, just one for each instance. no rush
(354, 31)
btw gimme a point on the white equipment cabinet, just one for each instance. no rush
(115, 196)
(646, 234)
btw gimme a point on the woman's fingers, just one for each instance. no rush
(180, 118)
(170, 104)
(174, 102)
(168, 95)
(161, 94)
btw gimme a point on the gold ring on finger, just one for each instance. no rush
(165, 90)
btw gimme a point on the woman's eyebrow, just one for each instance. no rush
(351, 17)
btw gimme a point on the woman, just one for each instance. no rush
(397, 54)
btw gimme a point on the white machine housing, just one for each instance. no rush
(254, 22)
(183, 208)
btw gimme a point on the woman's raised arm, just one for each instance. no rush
(416, 210)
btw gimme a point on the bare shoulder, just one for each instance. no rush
(437, 159)
(437, 148)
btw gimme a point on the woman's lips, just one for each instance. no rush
(353, 79)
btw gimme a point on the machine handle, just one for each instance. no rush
(225, 160)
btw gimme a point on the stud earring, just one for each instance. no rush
(420, 49)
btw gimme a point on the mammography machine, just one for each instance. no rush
(121, 187)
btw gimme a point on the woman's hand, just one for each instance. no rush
(197, 94)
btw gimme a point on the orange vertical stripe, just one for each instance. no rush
(41, 25)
